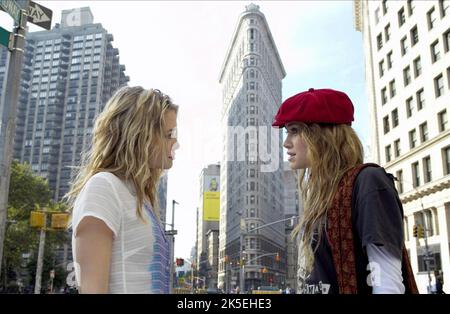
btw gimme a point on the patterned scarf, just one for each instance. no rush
(340, 237)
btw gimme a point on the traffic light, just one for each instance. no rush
(37, 219)
(264, 270)
(180, 262)
(277, 257)
(418, 231)
(60, 221)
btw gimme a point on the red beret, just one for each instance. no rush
(316, 106)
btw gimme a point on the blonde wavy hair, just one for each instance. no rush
(332, 151)
(127, 134)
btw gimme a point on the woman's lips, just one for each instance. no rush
(291, 157)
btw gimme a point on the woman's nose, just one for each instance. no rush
(287, 144)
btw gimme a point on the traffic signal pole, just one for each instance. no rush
(241, 245)
(8, 120)
(40, 262)
(171, 236)
(427, 258)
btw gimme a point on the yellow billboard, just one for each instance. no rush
(211, 206)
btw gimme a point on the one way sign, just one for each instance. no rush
(39, 15)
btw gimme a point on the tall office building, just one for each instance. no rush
(406, 46)
(68, 75)
(208, 224)
(292, 209)
(162, 198)
(250, 198)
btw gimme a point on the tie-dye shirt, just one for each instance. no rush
(140, 261)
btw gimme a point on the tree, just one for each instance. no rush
(26, 191)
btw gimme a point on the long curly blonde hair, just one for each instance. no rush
(127, 134)
(332, 151)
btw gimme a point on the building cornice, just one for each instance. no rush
(357, 14)
(426, 190)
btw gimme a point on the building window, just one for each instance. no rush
(387, 32)
(401, 17)
(442, 120)
(388, 153)
(404, 45)
(392, 90)
(414, 36)
(446, 159)
(427, 169)
(439, 85)
(407, 76)
(417, 67)
(394, 116)
(409, 107)
(397, 150)
(377, 15)
(386, 124)
(435, 53)
(435, 254)
(444, 7)
(251, 33)
(381, 68)
(385, 6)
(448, 77)
(411, 7)
(383, 96)
(420, 99)
(412, 138)
(390, 61)
(415, 174)
(431, 17)
(423, 132)
(379, 41)
(446, 40)
(399, 176)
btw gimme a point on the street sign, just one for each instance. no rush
(39, 15)
(12, 8)
(5, 37)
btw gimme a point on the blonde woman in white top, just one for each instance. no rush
(118, 242)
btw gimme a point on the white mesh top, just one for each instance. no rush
(140, 251)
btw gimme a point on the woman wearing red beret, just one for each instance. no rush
(351, 231)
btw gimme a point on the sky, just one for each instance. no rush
(179, 47)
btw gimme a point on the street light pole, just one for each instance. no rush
(426, 228)
(242, 262)
(40, 262)
(171, 235)
(8, 119)
(241, 250)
